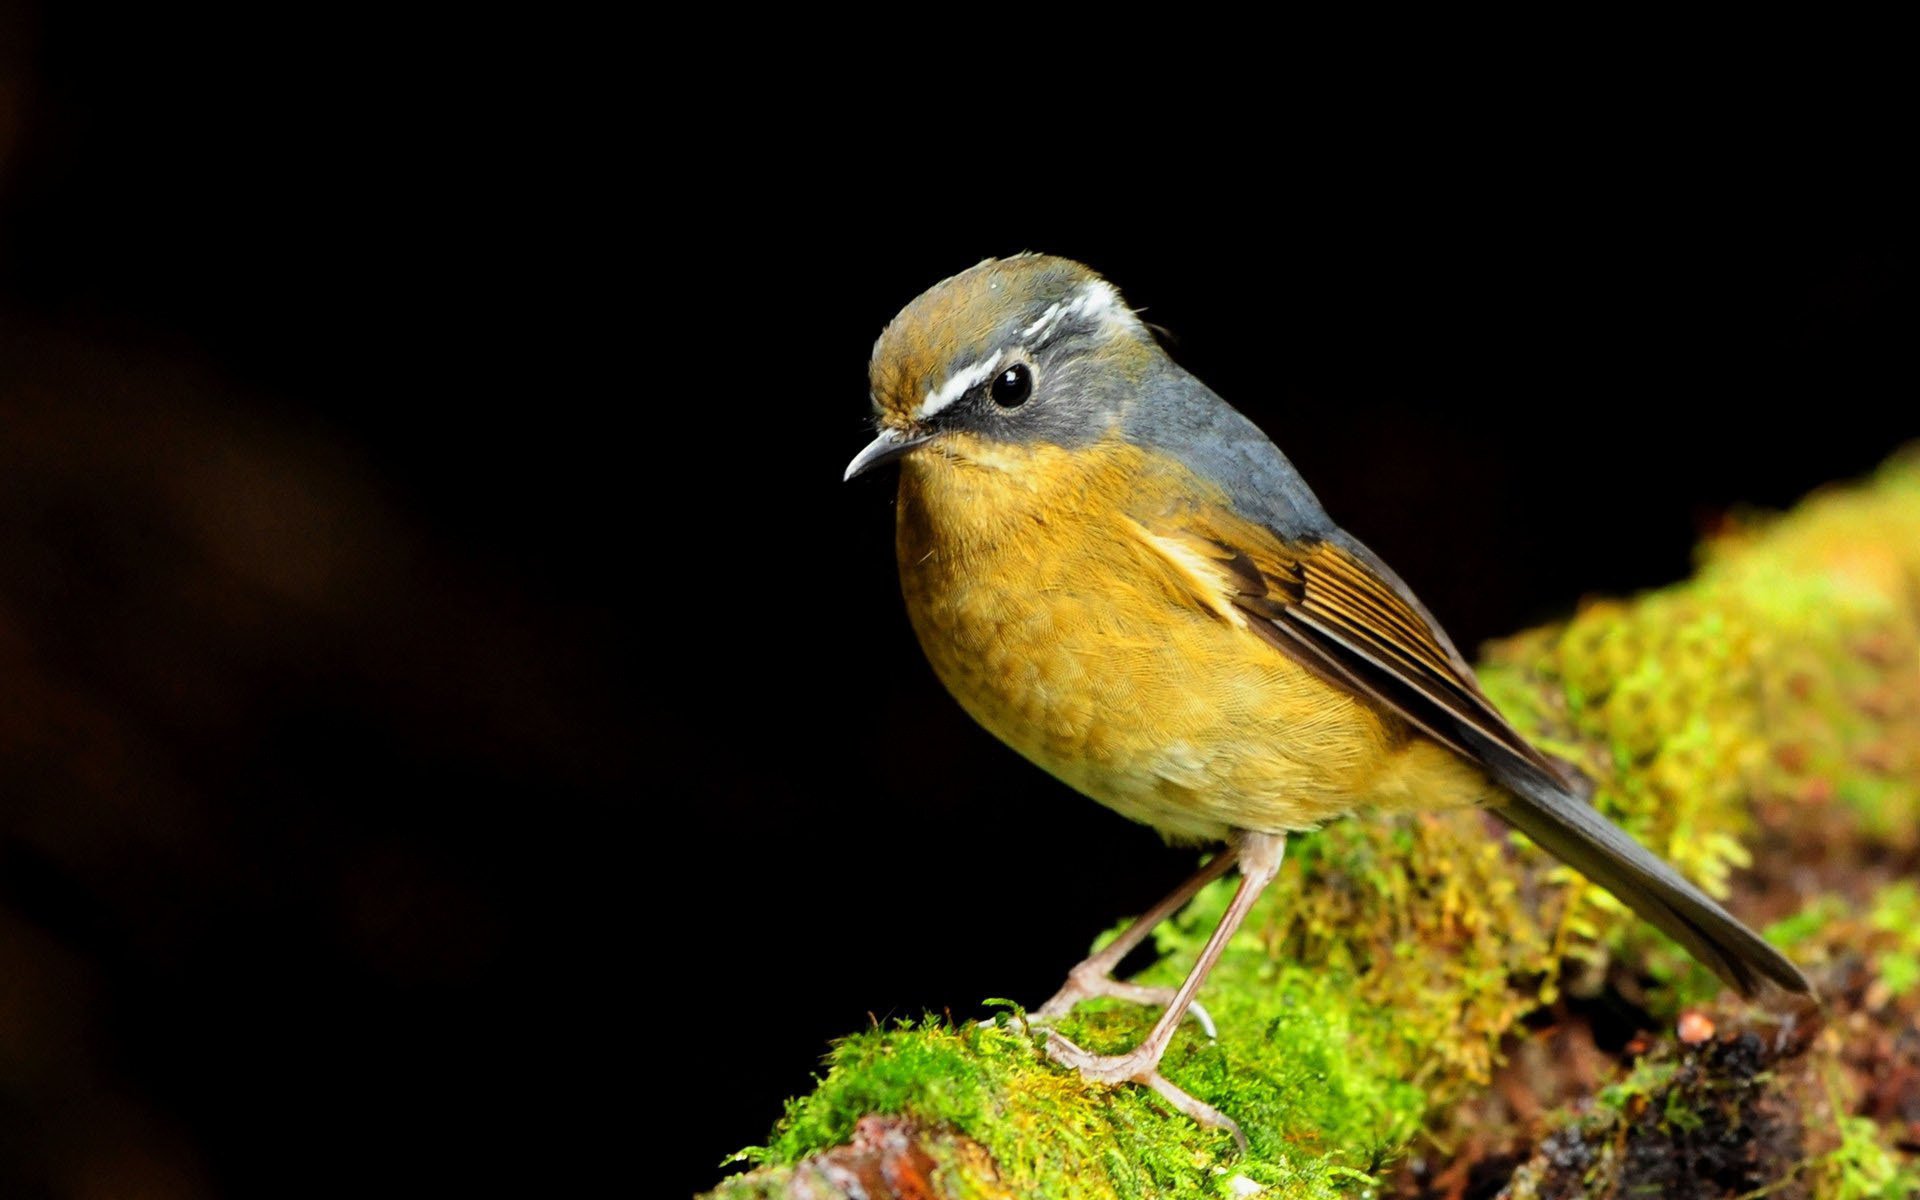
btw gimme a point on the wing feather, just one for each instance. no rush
(1324, 605)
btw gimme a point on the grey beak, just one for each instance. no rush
(883, 449)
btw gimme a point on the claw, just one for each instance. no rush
(1141, 1068)
(1204, 1019)
(1200, 1111)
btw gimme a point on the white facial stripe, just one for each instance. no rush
(957, 385)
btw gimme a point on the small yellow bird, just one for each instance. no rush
(1119, 576)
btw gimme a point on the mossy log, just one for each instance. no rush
(1419, 1008)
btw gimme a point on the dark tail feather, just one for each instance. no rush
(1572, 831)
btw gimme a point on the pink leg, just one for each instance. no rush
(1094, 976)
(1259, 855)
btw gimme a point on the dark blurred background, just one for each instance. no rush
(455, 727)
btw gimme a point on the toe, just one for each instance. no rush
(1200, 1111)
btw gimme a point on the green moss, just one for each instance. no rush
(1887, 932)
(1809, 927)
(1367, 986)
(1866, 1161)
(1896, 911)
(1863, 1166)
(1050, 1134)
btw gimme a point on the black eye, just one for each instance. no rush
(1013, 387)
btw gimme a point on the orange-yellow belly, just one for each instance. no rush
(1061, 634)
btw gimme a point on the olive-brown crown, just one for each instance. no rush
(950, 332)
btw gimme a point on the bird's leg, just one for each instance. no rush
(1094, 976)
(1259, 855)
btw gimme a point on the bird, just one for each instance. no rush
(1125, 580)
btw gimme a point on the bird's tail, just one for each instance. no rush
(1572, 831)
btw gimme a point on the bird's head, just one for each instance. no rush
(1013, 352)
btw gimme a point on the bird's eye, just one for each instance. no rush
(1013, 386)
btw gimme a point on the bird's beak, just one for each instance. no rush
(883, 449)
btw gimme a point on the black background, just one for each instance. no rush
(463, 731)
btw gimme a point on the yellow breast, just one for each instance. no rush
(1057, 623)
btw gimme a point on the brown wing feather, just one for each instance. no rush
(1323, 605)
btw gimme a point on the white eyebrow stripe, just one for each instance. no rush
(956, 386)
(1046, 318)
(1099, 299)
(1095, 298)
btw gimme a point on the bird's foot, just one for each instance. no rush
(1086, 982)
(1141, 1065)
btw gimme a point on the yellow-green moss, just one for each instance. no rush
(1050, 1135)
(1782, 676)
